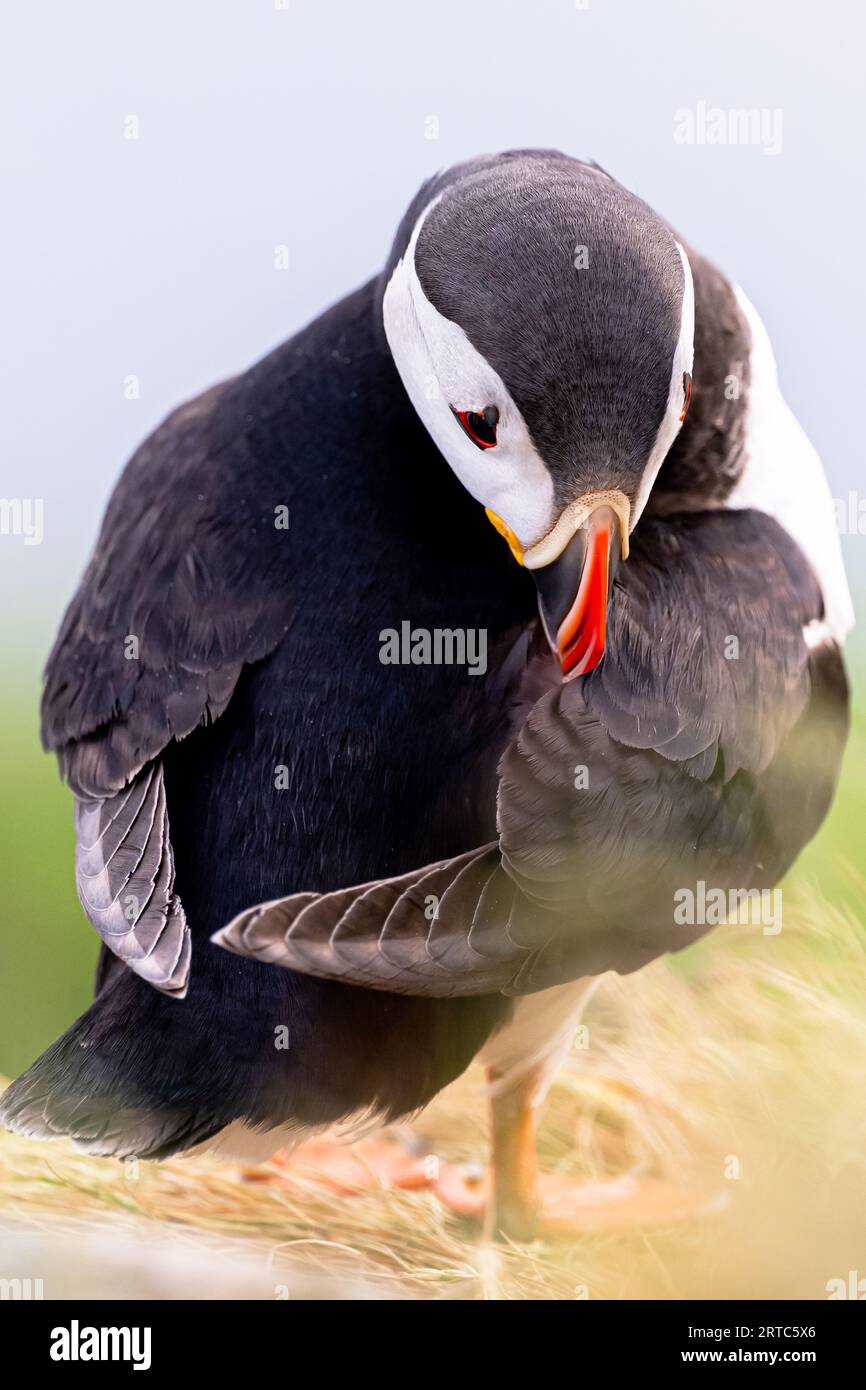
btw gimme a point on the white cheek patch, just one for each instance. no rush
(440, 368)
(684, 358)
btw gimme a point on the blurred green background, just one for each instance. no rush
(47, 949)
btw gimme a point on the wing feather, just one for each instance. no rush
(125, 879)
(176, 600)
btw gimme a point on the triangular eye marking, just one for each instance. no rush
(479, 425)
(687, 394)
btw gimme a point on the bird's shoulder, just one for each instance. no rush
(178, 593)
(709, 649)
(192, 573)
(692, 746)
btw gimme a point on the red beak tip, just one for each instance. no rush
(576, 663)
(582, 635)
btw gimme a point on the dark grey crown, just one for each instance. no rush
(586, 353)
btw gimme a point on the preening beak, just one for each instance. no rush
(573, 566)
(574, 589)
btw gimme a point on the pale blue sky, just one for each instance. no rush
(306, 126)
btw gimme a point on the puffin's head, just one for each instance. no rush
(542, 319)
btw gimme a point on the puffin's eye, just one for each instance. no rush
(479, 425)
(687, 394)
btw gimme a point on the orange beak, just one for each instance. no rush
(574, 590)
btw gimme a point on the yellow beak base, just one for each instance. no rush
(505, 530)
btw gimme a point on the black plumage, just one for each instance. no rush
(698, 765)
(217, 703)
(190, 560)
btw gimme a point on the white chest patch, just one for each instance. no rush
(785, 478)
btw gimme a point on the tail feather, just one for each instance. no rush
(69, 1091)
(142, 1074)
(249, 1049)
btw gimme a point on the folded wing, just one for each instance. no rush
(704, 747)
(184, 589)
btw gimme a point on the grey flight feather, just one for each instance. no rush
(125, 878)
(407, 935)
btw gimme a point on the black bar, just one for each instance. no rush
(250, 1337)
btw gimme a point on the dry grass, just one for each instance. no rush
(748, 1047)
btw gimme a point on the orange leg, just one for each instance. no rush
(508, 1196)
(512, 1198)
(519, 1203)
(514, 1205)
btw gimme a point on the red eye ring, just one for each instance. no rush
(480, 425)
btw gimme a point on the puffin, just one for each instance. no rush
(329, 869)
